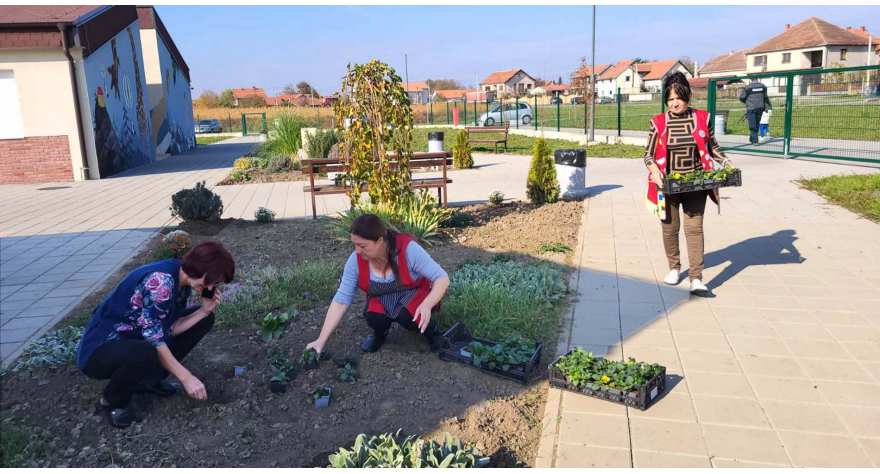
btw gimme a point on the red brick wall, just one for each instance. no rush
(35, 160)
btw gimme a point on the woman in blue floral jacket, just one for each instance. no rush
(142, 331)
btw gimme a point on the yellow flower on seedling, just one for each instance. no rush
(605, 379)
(677, 175)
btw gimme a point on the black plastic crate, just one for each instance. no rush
(641, 398)
(674, 186)
(459, 336)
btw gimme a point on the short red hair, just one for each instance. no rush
(211, 260)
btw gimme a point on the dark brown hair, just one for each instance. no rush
(211, 260)
(677, 82)
(370, 227)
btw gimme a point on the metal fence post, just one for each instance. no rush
(447, 113)
(789, 107)
(475, 112)
(465, 112)
(586, 118)
(501, 111)
(619, 115)
(535, 110)
(243, 126)
(487, 109)
(557, 116)
(662, 98)
(229, 121)
(516, 104)
(710, 104)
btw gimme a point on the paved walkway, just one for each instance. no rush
(60, 242)
(779, 368)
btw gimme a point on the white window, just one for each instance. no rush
(10, 113)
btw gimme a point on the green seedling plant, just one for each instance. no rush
(583, 369)
(320, 392)
(278, 360)
(270, 327)
(281, 378)
(349, 373)
(700, 176)
(308, 356)
(511, 352)
(385, 452)
(556, 247)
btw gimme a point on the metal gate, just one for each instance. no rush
(823, 113)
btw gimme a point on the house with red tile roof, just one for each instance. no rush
(448, 95)
(511, 81)
(724, 65)
(652, 74)
(618, 75)
(251, 92)
(418, 91)
(811, 44)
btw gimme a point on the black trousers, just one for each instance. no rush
(381, 323)
(129, 363)
(754, 118)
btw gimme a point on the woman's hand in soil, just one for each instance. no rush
(194, 388)
(422, 317)
(209, 305)
(317, 345)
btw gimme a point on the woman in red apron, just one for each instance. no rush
(681, 141)
(402, 282)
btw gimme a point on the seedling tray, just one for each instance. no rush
(454, 349)
(640, 398)
(678, 186)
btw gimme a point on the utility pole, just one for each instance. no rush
(592, 97)
(406, 69)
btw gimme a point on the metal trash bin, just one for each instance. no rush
(435, 142)
(571, 172)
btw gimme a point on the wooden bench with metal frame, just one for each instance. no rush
(488, 129)
(313, 166)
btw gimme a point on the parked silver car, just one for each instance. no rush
(510, 113)
(209, 126)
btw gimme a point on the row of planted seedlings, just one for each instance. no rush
(285, 367)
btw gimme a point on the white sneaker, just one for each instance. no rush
(672, 278)
(698, 287)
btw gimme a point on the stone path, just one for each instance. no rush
(780, 368)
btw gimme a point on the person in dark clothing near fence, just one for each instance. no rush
(755, 97)
(143, 329)
(402, 282)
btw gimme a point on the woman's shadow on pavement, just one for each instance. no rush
(776, 249)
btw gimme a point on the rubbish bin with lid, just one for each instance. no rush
(435, 142)
(571, 172)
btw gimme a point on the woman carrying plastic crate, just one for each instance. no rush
(681, 141)
(402, 282)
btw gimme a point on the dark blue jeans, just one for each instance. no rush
(754, 118)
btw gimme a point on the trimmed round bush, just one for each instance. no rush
(196, 204)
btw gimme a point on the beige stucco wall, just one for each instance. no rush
(42, 79)
(152, 67)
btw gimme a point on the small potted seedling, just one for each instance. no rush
(321, 396)
(270, 327)
(341, 362)
(309, 359)
(277, 362)
(278, 384)
(349, 373)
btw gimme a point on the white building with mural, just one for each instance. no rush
(81, 101)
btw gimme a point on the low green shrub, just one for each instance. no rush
(55, 349)
(420, 217)
(20, 444)
(196, 204)
(174, 245)
(264, 215)
(541, 184)
(321, 142)
(556, 247)
(385, 452)
(462, 158)
(279, 164)
(457, 219)
(496, 198)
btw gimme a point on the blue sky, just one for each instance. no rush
(269, 46)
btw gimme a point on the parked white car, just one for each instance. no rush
(509, 109)
(209, 126)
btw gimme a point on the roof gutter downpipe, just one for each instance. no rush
(64, 28)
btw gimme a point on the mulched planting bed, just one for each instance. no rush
(261, 176)
(403, 386)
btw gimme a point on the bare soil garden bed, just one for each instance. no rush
(403, 386)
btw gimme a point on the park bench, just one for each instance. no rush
(489, 129)
(316, 166)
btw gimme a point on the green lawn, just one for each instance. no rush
(858, 193)
(516, 144)
(209, 139)
(615, 150)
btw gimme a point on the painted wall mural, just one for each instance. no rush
(117, 87)
(172, 117)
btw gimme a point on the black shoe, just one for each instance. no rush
(373, 343)
(118, 417)
(163, 388)
(436, 342)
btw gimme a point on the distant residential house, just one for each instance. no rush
(513, 81)
(253, 91)
(417, 91)
(554, 90)
(811, 44)
(620, 75)
(449, 95)
(725, 65)
(653, 74)
(875, 42)
(582, 76)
